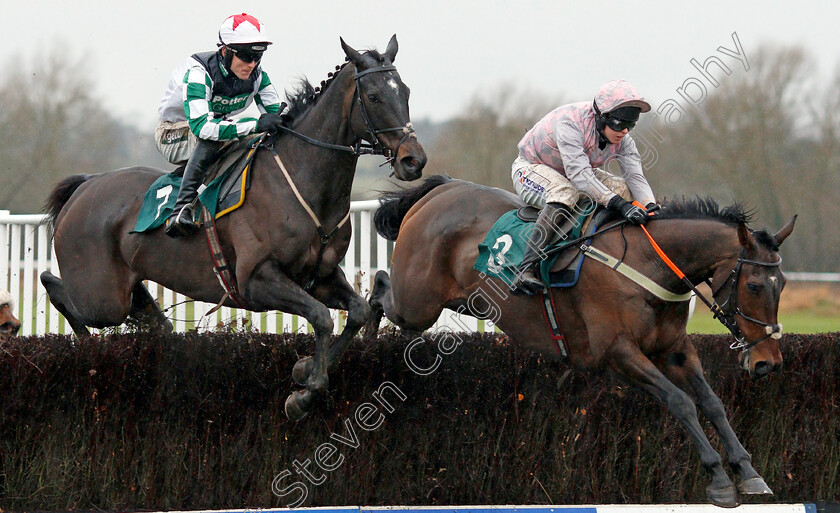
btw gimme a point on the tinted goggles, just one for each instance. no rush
(619, 124)
(248, 56)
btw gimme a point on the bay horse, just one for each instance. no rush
(284, 243)
(609, 322)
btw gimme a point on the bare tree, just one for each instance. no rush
(52, 126)
(481, 143)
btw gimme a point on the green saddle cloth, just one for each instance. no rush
(501, 253)
(160, 199)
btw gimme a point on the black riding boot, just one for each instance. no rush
(554, 220)
(181, 222)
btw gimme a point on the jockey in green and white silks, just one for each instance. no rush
(197, 109)
(559, 161)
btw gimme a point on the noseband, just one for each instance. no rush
(728, 310)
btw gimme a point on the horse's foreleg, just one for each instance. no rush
(60, 300)
(684, 369)
(628, 361)
(335, 292)
(268, 288)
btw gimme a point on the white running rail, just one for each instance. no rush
(26, 251)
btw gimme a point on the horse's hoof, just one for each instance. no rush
(754, 486)
(723, 497)
(302, 370)
(297, 405)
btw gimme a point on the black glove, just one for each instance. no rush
(270, 122)
(629, 211)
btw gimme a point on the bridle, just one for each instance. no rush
(726, 312)
(729, 309)
(360, 148)
(376, 147)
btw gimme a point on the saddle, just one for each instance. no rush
(223, 190)
(563, 271)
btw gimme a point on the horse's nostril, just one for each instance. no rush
(763, 369)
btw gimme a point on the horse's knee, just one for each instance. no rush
(321, 320)
(358, 312)
(682, 406)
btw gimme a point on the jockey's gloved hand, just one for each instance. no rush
(652, 207)
(629, 211)
(270, 122)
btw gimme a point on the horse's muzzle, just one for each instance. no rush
(410, 161)
(9, 329)
(757, 367)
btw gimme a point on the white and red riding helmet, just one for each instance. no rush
(244, 30)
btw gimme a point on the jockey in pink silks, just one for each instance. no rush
(559, 161)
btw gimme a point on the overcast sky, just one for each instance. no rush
(450, 50)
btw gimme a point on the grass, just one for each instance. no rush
(793, 322)
(804, 308)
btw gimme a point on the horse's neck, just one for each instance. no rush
(325, 175)
(697, 247)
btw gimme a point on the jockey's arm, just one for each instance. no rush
(197, 96)
(569, 139)
(266, 97)
(630, 163)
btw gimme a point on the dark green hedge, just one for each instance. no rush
(137, 421)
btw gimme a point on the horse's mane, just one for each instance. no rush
(705, 208)
(708, 208)
(302, 98)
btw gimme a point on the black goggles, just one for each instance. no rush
(619, 124)
(247, 56)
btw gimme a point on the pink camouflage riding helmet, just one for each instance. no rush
(619, 93)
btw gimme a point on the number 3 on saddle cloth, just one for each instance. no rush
(229, 179)
(501, 253)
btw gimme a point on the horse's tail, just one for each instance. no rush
(60, 194)
(393, 206)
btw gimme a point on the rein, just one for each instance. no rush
(725, 318)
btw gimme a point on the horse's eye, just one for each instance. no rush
(373, 98)
(754, 288)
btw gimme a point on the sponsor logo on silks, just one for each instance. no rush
(527, 182)
(174, 137)
(226, 104)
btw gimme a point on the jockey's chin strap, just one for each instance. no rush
(725, 318)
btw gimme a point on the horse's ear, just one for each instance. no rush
(391, 51)
(782, 234)
(745, 237)
(351, 54)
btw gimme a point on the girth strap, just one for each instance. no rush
(554, 324)
(220, 265)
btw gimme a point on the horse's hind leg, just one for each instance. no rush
(145, 310)
(379, 296)
(60, 300)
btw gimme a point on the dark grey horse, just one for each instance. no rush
(282, 261)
